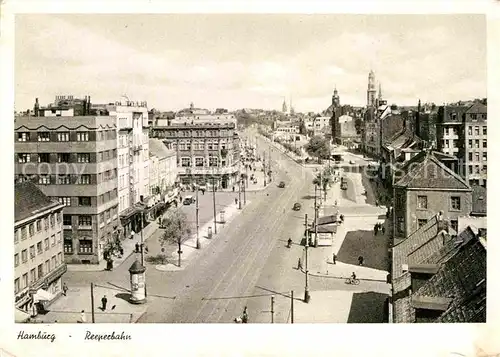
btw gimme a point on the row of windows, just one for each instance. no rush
(476, 169)
(198, 133)
(476, 130)
(199, 162)
(475, 156)
(50, 265)
(40, 248)
(65, 157)
(476, 143)
(108, 215)
(107, 196)
(85, 246)
(209, 145)
(35, 227)
(65, 136)
(454, 203)
(453, 223)
(84, 179)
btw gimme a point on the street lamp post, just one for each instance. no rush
(197, 221)
(306, 290)
(239, 193)
(245, 194)
(264, 167)
(215, 211)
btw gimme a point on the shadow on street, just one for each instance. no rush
(368, 307)
(373, 249)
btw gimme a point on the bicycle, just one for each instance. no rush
(352, 281)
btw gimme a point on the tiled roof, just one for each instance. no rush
(327, 219)
(425, 170)
(477, 108)
(401, 252)
(30, 201)
(158, 149)
(478, 200)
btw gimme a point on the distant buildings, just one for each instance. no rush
(207, 147)
(38, 249)
(73, 159)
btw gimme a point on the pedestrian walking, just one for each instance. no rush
(104, 302)
(233, 188)
(334, 258)
(299, 265)
(83, 319)
(360, 260)
(383, 229)
(132, 234)
(203, 191)
(65, 289)
(235, 201)
(244, 317)
(137, 247)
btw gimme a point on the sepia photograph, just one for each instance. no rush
(250, 168)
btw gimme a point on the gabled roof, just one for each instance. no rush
(478, 200)
(426, 170)
(477, 108)
(29, 200)
(158, 149)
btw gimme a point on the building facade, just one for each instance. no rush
(38, 248)
(163, 168)
(208, 150)
(476, 144)
(73, 160)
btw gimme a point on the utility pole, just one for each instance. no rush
(291, 307)
(245, 194)
(92, 301)
(272, 309)
(315, 218)
(246, 172)
(269, 170)
(306, 291)
(239, 193)
(215, 212)
(197, 221)
(264, 166)
(142, 238)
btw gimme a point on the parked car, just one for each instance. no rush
(352, 162)
(188, 200)
(281, 184)
(297, 206)
(343, 185)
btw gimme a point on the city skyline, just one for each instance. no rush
(249, 61)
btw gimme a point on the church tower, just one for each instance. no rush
(284, 108)
(335, 98)
(371, 91)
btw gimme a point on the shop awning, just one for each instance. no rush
(21, 316)
(42, 295)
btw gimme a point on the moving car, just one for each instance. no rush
(281, 184)
(297, 206)
(188, 200)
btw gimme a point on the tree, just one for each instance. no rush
(318, 147)
(177, 230)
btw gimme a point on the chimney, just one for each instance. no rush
(85, 106)
(37, 108)
(88, 106)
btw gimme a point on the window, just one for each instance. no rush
(66, 220)
(23, 158)
(40, 271)
(477, 156)
(83, 157)
(24, 255)
(32, 251)
(53, 262)
(59, 258)
(17, 286)
(446, 143)
(421, 222)
(85, 246)
(59, 237)
(53, 240)
(484, 143)
(455, 203)
(64, 136)
(44, 157)
(68, 246)
(469, 130)
(401, 225)
(16, 260)
(470, 156)
(63, 179)
(84, 201)
(470, 144)
(39, 225)
(85, 221)
(485, 168)
(63, 157)
(422, 202)
(65, 201)
(16, 235)
(185, 161)
(477, 169)
(31, 229)
(199, 162)
(485, 155)
(46, 243)
(47, 266)
(23, 136)
(39, 248)
(23, 233)
(82, 136)
(476, 142)
(210, 145)
(476, 130)
(43, 136)
(454, 225)
(44, 180)
(52, 220)
(471, 169)
(485, 129)
(84, 180)
(25, 279)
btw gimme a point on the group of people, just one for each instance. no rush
(379, 227)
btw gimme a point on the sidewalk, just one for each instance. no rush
(189, 246)
(67, 309)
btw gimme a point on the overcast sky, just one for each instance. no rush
(250, 60)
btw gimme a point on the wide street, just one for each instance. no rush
(246, 262)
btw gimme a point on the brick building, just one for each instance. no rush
(38, 249)
(73, 159)
(423, 187)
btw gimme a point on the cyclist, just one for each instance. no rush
(353, 276)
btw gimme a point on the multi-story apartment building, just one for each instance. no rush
(74, 160)
(208, 148)
(132, 142)
(424, 187)
(476, 149)
(38, 248)
(162, 172)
